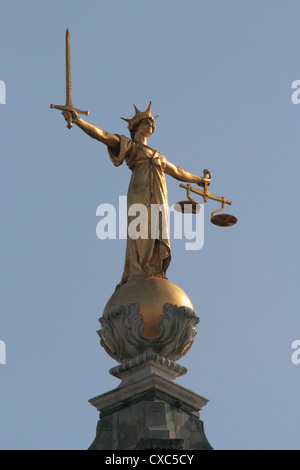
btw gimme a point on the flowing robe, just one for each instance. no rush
(147, 256)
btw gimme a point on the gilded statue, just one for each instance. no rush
(150, 256)
(147, 256)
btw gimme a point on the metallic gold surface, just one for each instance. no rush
(69, 105)
(190, 206)
(146, 255)
(139, 116)
(151, 294)
(149, 255)
(222, 220)
(205, 194)
(68, 71)
(187, 207)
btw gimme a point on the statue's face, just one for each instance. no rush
(145, 127)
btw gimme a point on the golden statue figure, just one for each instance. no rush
(144, 257)
(144, 291)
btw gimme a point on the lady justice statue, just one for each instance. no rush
(146, 312)
(148, 322)
(146, 257)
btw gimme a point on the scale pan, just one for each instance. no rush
(187, 207)
(223, 220)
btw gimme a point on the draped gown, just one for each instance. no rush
(150, 255)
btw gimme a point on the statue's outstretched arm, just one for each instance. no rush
(111, 140)
(183, 175)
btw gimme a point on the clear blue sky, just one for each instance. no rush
(219, 75)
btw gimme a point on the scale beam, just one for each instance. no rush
(205, 194)
(191, 206)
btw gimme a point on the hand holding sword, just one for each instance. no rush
(68, 111)
(112, 141)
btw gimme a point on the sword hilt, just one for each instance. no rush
(69, 109)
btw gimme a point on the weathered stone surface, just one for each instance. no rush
(148, 408)
(161, 444)
(150, 411)
(153, 428)
(122, 330)
(144, 365)
(119, 397)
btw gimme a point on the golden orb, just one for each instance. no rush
(152, 294)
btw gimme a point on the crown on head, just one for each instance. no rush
(139, 115)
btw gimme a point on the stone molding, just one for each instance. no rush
(148, 356)
(121, 333)
(150, 382)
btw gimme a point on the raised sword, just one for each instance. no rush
(69, 105)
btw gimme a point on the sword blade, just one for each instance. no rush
(69, 105)
(68, 71)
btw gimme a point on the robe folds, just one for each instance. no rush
(147, 253)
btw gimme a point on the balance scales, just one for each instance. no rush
(190, 206)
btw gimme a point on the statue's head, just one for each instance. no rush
(143, 121)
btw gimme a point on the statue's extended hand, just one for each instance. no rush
(71, 114)
(203, 181)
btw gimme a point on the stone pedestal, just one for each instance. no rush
(149, 411)
(146, 326)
